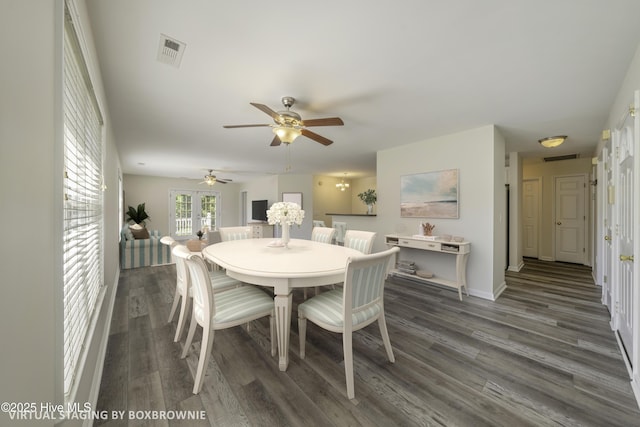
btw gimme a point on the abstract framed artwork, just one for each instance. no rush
(430, 195)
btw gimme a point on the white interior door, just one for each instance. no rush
(606, 200)
(530, 216)
(624, 140)
(570, 218)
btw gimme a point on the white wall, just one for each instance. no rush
(481, 195)
(27, 149)
(154, 192)
(31, 179)
(291, 183)
(265, 188)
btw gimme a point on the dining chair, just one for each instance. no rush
(318, 223)
(341, 228)
(215, 311)
(323, 234)
(167, 240)
(359, 303)
(359, 240)
(235, 233)
(184, 293)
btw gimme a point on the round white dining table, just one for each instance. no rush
(303, 264)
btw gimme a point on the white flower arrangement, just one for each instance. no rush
(285, 212)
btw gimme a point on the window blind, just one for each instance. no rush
(83, 219)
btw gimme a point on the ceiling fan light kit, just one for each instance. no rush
(287, 134)
(552, 141)
(211, 179)
(288, 125)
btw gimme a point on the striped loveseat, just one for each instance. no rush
(142, 252)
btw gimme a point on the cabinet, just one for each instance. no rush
(260, 230)
(460, 250)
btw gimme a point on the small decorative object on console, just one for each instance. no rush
(427, 229)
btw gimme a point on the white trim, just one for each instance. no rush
(102, 351)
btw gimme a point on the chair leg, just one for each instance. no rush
(302, 334)
(385, 337)
(347, 345)
(272, 331)
(182, 318)
(203, 360)
(176, 298)
(192, 332)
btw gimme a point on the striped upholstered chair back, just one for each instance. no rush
(235, 233)
(359, 303)
(341, 228)
(323, 234)
(359, 240)
(223, 310)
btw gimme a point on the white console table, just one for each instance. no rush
(460, 249)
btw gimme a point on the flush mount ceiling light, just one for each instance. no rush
(552, 141)
(287, 134)
(342, 186)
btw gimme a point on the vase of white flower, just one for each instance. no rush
(285, 234)
(285, 214)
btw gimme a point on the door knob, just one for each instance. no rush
(607, 238)
(558, 223)
(626, 258)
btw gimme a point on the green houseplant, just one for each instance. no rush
(369, 198)
(139, 215)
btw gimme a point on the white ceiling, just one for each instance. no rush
(395, 71)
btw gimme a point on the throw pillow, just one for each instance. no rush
(139, 232)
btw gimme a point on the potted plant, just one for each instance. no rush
(139, 215)
(369, 198)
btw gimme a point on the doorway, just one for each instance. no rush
(531, 214)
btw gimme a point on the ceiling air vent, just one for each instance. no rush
(170, 50)
(565, 157)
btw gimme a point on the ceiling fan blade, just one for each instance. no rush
(276, 141)
(266, 109)
(243, 126)
(318, 138)
(329, 121)
(223, 181)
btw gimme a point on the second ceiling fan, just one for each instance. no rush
(289, 125)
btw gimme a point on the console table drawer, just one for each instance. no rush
(419, 244)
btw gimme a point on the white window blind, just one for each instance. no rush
(83, 221)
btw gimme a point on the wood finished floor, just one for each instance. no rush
(542, 355)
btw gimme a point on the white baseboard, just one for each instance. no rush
(516, 268)
(546, 258)
(491, 296)
(635, 386)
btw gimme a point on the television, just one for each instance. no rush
(259, 210)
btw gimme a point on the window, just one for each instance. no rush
(192, 211)
(83, 220)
